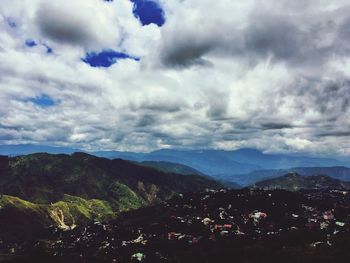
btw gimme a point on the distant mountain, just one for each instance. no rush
(210, 162)
(279, 161)
(337, 172)
(169, 167)
(131, 156)
(295, 182)
(82, 187)
(222, 165)
(24, 149)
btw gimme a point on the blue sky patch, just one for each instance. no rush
(43, 101)
(49, 50)
(105, 58)
(30, 43)
(148, 12)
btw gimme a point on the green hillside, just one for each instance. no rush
(66, 190)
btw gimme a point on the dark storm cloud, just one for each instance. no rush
(331, 98)
(276, 126)
(79, 23)
(218, 105)
(162, 106)
(12, 127)
(278, 37)
(334, 96)
(343, 37)
(55, 27)
(156, 105)
(335, 134)
(146, 120)
(185, 54)
(273, 36)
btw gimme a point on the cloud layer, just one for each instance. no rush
(275, 76)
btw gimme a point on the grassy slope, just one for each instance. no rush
(22, 219)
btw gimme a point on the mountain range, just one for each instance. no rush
(65, 191)
(229, 166)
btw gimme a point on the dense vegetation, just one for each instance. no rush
(67, 190)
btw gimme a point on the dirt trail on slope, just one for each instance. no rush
(58, 216)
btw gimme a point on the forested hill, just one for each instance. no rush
(70, 189)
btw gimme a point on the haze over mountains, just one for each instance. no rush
(336, 172)
(243, 166)
(295, 182)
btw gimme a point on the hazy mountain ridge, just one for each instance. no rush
(295, 182)
(169, 167)
(337, 172)
(223, 165)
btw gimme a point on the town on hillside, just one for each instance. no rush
(248, 225)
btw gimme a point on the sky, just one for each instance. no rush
(143, 75)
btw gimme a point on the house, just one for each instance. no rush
(341, 224)
(207, 221)
(224, 233)
(174, 236)
(328, 215)
(138, 256)
(257, 216)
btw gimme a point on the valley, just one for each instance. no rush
(84, 208)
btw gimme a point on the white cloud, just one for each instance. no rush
(240, 73)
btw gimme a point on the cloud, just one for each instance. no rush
(276, 126)
(271, 75)
(295, 35)
(60, 22)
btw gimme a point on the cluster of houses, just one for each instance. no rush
(224, 214)
(210, 217)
